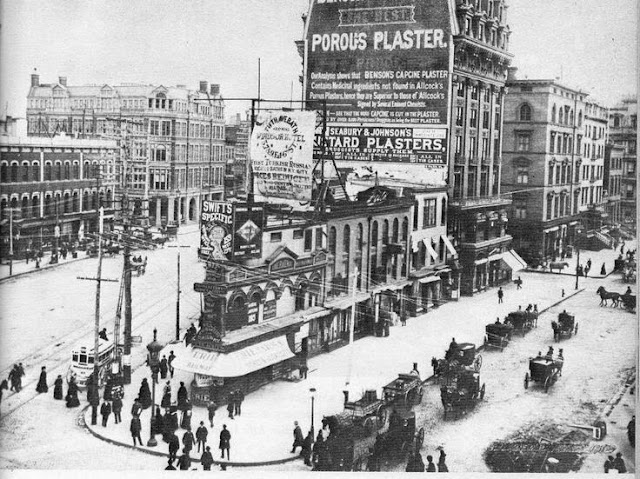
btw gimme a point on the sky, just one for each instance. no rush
(590, 44)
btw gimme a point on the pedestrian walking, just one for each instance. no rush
(589, 263)
(631, 431)
(231, 406)
(57, 388)
(145, 394)
(603, 270)
(201, 436)
(170, 363)
(206, 459)
(20, 375)
(164, 367)
(3, 385)
(298, 438)
(188, 440)
(306, 451)
(239, 397)
(431, 467)
(184, 461)
(136, 408)
(72, 394)
(442, 466)
(225, 441)
(608, 464)
(519, 283)
(13, 378)
(211, 409)
(183, 396)
(304, 370)
(166, 399)
(170, 466)
(116, 407)
(42, 387)
(135, 429)
(500, 295)
(618, 463)
(174, 446)
(105, 411)
(586, 270)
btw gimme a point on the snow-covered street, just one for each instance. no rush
(596, 358)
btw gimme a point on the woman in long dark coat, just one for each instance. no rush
(183, 397)
(72, 394)
(145, 394)
(42, 382)
(57, 388)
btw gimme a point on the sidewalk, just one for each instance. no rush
(264, 432)
(606, 256)
(21, 267)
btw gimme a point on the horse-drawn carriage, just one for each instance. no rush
(544, 370)
(461, 391)
(565, 326)
(458, 357)
(628, 301)
(522, 321)
(371, 425)
(497, 335)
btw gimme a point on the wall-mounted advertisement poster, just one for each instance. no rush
(248, 224)
(216, 230)
(281, 152)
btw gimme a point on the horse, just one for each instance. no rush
(606, 295)
(558, 265)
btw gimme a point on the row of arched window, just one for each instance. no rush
(57, 203)
(29, 171)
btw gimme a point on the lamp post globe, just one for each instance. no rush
(154, 348)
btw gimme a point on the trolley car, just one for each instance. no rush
(82, 361)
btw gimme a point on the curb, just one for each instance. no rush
(571, 274)
(36, 270)
(83, 423)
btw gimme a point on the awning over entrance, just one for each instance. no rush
(432, 252)
(481, 261)
(449, 245)
(429, 279)
(512, 262)
(495, 257)
(551, 230)
(236, 363)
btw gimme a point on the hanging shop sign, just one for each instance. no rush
(281, 152)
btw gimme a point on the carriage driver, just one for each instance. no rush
(549, 356)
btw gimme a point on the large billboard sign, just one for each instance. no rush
(281, 152)
(382, 63)
(216, 230)
(248, 225)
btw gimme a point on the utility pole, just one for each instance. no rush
(178, 291)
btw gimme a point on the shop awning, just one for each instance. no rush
(236, 363)
(449, 246)
(432, 252)
(551, 230)
(481, 261)
(495, 257)
(512, 262)
(429, 279)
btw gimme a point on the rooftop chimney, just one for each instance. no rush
(215, 89)
(62, 81)
(35, 79)
(204, 86)
(512, 73)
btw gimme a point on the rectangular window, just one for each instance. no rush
(429, 213)
(459, 116)
(523, 141)
(471, 185)
(154, 126)
(458, 144)
(416, 215)
(166, 128)
(461, 90)
(522, 176)
(484, 152)
(318, 238)
(520, 209)
(485, 120)
(276, 237)
(308, 239)
(298, 234)
(473, 121)
(473, 147)
(474, 92)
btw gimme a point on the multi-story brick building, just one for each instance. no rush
(237, 135)
(52, 189)
(477, 209)
(623, 131)
(612, 182)
(553, 166)
(173, 138)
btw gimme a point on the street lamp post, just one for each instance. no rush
(313, 392)
(154, 348)
(577, 264)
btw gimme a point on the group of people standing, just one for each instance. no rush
(234, 405)
(416, 464)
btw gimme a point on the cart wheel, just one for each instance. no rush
(482, 391)
(547, 382)
(477, 363)
(576, 329)
(526, 381)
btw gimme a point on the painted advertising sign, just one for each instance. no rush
(216, 227)
(382, 63)
(388, 143)
(247, 240)
(281, 152)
